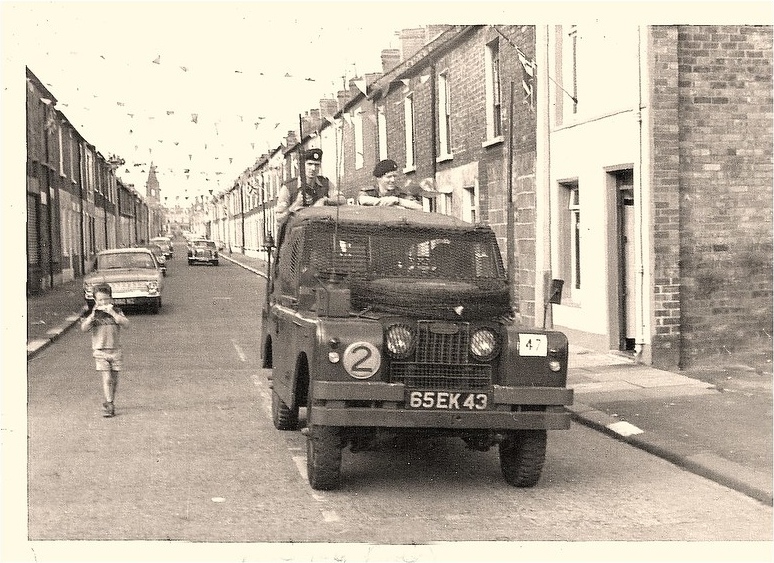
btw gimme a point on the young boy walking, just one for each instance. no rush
(105, 322)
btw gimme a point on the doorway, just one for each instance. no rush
(626, 252)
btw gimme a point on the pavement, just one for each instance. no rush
(714, 420)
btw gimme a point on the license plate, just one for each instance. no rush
(447, 400)
(124, 301)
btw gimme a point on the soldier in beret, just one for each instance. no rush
(313, 190)
(386, 191)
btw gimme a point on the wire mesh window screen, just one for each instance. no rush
(404, 253)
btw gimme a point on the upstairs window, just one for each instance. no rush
(410, 138)
(381, 126)
(357, 125)
(493, 94)
(444, 116)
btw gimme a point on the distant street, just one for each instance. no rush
(192, 454)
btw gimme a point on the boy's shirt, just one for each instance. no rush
(105, 332)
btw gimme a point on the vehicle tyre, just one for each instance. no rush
(323, 457)
(323, 452)
(214, 262)
(156, 306)
(284, 417)
(522, 454)
(190, 262)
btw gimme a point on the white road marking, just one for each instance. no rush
(238, 350)
(624, 428)
(299, 460)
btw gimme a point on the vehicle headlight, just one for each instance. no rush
(88, 290)
(483, 344)
(400, 341)
(153, 286)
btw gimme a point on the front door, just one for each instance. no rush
(626, 260)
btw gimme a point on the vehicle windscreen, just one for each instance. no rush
(405, 253)
(126, 260)
(204, 244)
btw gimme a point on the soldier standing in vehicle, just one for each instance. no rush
(386, 192)
(311, 190)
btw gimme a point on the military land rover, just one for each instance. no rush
(385, 321)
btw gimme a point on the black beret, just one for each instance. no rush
(313, 154)
(384, 167)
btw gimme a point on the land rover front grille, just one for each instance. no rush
(438, 376)
(440, 360)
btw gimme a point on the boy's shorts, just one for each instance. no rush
(108, 359)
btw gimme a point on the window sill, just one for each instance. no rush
(444, 158)
(492, 142)
(409, 169)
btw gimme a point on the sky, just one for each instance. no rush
(199, 89)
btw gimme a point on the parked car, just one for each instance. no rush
(202, 251)
(158, 253)
(166, 245)
(133, 275)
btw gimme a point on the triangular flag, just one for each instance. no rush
(195, 117)
(157, 60)
(360, 84)
(405, 81)
(423, 79)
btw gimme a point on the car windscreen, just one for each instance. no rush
(204, 244)
(140, 260)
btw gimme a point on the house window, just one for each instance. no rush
(573, 235)
(567, 38)
(444, 115)
(573, 36)
(357, 124)
(381, 123)
(469, 205)
(61, 152)
(71, 155)
(410, 141)
(493, 94)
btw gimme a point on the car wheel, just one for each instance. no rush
(284, 417)
(522, 454)
(190, 262)
(323, 454)
(156, 306)
(214, 262)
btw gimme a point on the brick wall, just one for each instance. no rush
(712, 185)
(665, 181)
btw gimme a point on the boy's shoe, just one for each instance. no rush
(108, 410)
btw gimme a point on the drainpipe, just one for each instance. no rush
(643, 117)
(82, 208)
(543, 211)
(434, 122)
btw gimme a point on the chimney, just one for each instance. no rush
(328, 107)
(342, 96)
(434, 30)
(291, 139)
(411, 41)
(390, 59)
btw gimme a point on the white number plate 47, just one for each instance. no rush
(533, 345)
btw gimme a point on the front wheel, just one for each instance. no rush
(284, 417)
(323, 457)
(214, 262)
(522, 454)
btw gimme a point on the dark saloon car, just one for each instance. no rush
(202, 251)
